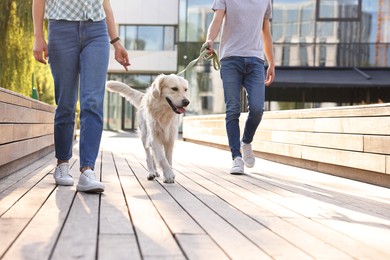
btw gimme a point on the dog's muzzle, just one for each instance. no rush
(178, 109)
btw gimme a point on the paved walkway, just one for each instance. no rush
(272, 212)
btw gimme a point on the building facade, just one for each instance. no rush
(327, 53)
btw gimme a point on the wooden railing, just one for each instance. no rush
(352, 142)
(26, 131)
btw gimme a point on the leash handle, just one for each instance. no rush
(204, 54)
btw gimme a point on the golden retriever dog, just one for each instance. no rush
(158, 111)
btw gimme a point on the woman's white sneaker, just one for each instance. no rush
(249, 156)
(88, 182)
(62, 176)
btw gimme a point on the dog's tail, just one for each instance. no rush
(132, 95)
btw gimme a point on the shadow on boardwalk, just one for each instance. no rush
(274, 211)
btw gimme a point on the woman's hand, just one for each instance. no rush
(121, 55)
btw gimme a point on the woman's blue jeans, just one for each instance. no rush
(238, 72)
(78, 57)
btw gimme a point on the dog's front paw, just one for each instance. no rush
(169, 180)
(169, 177)
(152, 176)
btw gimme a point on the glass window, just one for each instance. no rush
(182, 20)
(293, 19)
(195, 28)
(198, 18)
(339, 9)
(169, 38)
(148, 38)
(327, 30)
(142, 80)
(130, 37)
(303, 57)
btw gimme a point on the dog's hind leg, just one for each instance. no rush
(169, 176)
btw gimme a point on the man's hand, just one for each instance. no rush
(210, 46)
(270, 75)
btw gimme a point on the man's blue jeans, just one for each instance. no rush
(238, 72)
(78, 57)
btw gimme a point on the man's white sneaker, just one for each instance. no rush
(238, 166)
(62, 176)
(88, 182)
(249, 156)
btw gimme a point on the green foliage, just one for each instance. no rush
(17, 64)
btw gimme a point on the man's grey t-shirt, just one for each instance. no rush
(242, 27)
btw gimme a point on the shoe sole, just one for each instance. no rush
(93, 189)
(61, 183)
(236, 173)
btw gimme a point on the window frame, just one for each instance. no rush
(338, 19)
(124, 28)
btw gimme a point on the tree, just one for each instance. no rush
(18, 67)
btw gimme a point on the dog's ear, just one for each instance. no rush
(157, 86)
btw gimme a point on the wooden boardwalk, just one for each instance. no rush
(273, 212)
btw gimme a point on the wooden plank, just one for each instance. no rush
(118, 246)
(344, 111)
(29, 203)
(207, 138)
(200, 246)
(379, 125)
(114, 215)
(7, 96)
(116, 235)
(234, 243)
(26, 131)
(17, 150)
(79, 236)
(317, 204)
(10, 229)
(25, 208)
(17, 132)
(284, 211)
(12, 182)
(359, 160)
(174, 216)
(275, 175)
(289, 150)
(16, 114)
(39, 237)
(355, 125)
(364, 161)
(117, 239)
(335, 141)
(14, 187)
(276, 220)
(7, 133)
(258, 234)
(154, 237)
(377, 144)
(387, 164)
(278, 217)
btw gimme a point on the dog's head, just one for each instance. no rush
(172, 89)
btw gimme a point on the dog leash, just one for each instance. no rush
(204, 54)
